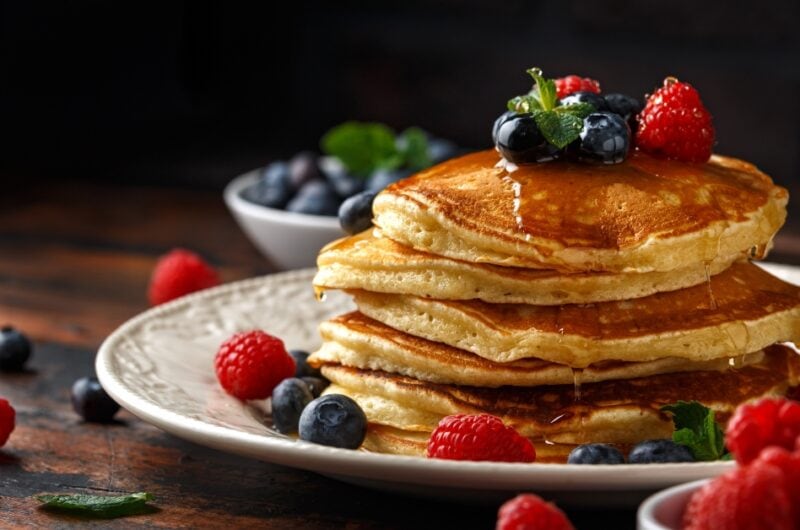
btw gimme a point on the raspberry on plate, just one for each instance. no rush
(528, 511)
(766, 422)
(674, 123)
(178, 273)
(479, 437)
(7, 416)
(573, 83)
(250, 365)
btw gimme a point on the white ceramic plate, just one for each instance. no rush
(159, 366)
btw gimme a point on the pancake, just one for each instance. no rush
(645, 214)
(378, 264)
(358, 341)
(621, 411)
(742, 310)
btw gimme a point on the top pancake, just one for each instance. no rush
(645, 214)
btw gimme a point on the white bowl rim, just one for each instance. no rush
(237, 203)
(646, 514)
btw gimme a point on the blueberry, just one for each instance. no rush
(345, 184)
(315, 198)
(272, 188)
(303, 168)
(334, 420)
(289, 399)
(520, 141)
(302, 369)
(605, 138)
(15, 349)
(593, 99)
(383, 177)
(504, 117)
(355, 213)
(440, 150)
(316, 385)
(91, 402)
(659, 451)
(595, 454)
(625, 106)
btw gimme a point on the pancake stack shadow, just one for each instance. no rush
(571, 300)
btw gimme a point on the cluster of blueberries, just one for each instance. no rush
(647, 452)
(605, 137)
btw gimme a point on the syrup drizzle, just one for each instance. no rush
(712, 302)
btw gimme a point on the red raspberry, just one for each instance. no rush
(751, 497)
(572, 83)
(675, 124)
(178, 273)
(479, 437)
(249, 365)
(768, 421)
(789, 463)
(530, 512)
(7, 416)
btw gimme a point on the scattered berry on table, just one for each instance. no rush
(289, 399)
(675, 124)
(316, 384)
(531, 512)
(520, 141)
(316, 197)
(91, 402)
(768, 421)
(302, 368)
(591, 98)
(659, 451)
(15, 349)
(334, 420)
(250, 365)
(383, 177)
(7, 416)
(595, 454)
(624, 106)
(355, 213)
(272, 188)
(178, 273)
(303, 168)
(573, 83)
(605, 137)
(479, 437)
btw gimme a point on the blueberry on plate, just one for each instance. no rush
(316, 384)
(289, 399)
(622, 105)
(593, 99)
(595, 454)
(272, 187)
(334, 420)
(383, 177)
(302, 369)
(504, 117)
(605, 137)
(91, 402)
(315, 198)
(15, 349)
(355, 213)
(659, 451)
(303, 168)
(520, 141)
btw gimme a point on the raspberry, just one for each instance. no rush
(7, 416)
(675, 124)
(178, 273)
(479, 437)
(789, 463)
(528, 512)
(751, 497)
(572, 83)
(768, 421)
(250, 365)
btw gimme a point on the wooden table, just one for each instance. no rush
(75, 259)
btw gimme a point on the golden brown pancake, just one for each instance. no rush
(645, 214)
(373, 263)
(358, 341)
(744, 310)
(620, 411)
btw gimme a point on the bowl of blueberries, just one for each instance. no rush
(290, 209)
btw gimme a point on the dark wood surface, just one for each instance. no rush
(75, 259)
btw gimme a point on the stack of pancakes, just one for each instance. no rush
(571, 300)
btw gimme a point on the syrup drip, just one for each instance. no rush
(516, 188)
(577, 379)
(758, 252)
(319, 294)
(712, 302)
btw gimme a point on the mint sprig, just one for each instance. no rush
(696, 428)
(104, 507)
(559, 124)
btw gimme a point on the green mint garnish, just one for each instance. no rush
(365, 147)
(105, 507)
(696, 428)
(560, 125)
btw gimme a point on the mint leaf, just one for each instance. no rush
(545, 89)
(413, 146)
(560, 129)
(580, 110)
(696, 428)
(362, 147)
(524, 104)
(98, 506)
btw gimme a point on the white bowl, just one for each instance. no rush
(664, 510)
(289, 240)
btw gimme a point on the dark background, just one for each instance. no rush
(191, 93)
